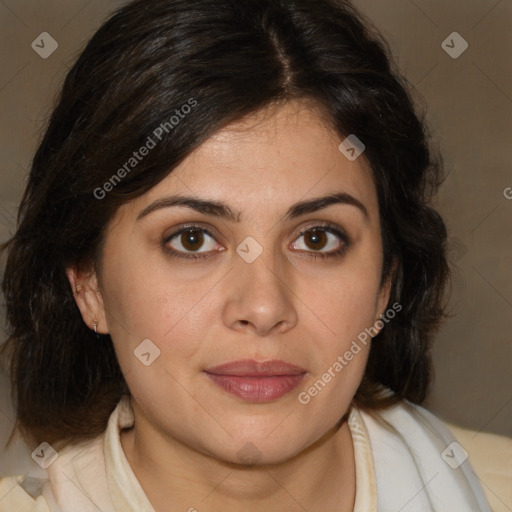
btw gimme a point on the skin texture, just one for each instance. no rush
(200, 313)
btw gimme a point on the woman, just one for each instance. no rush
(226, 277)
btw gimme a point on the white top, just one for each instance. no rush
(409, 465)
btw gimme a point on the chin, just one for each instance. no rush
(254, 454)
(265, 446)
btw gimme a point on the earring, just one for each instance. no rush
(96, 330)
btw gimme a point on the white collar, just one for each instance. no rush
(128, 495)
(403, 465)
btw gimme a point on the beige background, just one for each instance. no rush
(469, 102)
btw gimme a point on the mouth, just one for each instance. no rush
(256, 381)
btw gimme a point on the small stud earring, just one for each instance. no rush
(96, 330)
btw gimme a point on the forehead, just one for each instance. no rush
(273, 158)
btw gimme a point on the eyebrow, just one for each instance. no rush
(223, 211)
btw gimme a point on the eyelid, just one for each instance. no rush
(327, 227)
(193, 226)
(323, 225)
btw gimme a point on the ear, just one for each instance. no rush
(88, 298)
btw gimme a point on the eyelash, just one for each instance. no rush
(327, 227)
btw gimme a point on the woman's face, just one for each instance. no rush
(258, 292)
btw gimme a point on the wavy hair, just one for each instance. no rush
(234, 57)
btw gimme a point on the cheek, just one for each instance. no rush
(345, 304)
(347, 307)
(154, 305)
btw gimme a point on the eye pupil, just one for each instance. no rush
(192, 239)
(316, 238)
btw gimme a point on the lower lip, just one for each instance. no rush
(257, 389)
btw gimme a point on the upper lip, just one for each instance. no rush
(253, 368)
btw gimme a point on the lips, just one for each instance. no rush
(256, 381)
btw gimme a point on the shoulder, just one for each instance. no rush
(412, 446)
(491, 457)
(75, 472)
(70, 474)
(19, 494)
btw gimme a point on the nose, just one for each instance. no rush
(259, 296)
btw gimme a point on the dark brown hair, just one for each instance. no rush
(233, 58)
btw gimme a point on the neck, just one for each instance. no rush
(320, 478)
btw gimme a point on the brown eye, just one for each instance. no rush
(322, 241)
(189, 240)
(192, 240)
(316, 240)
